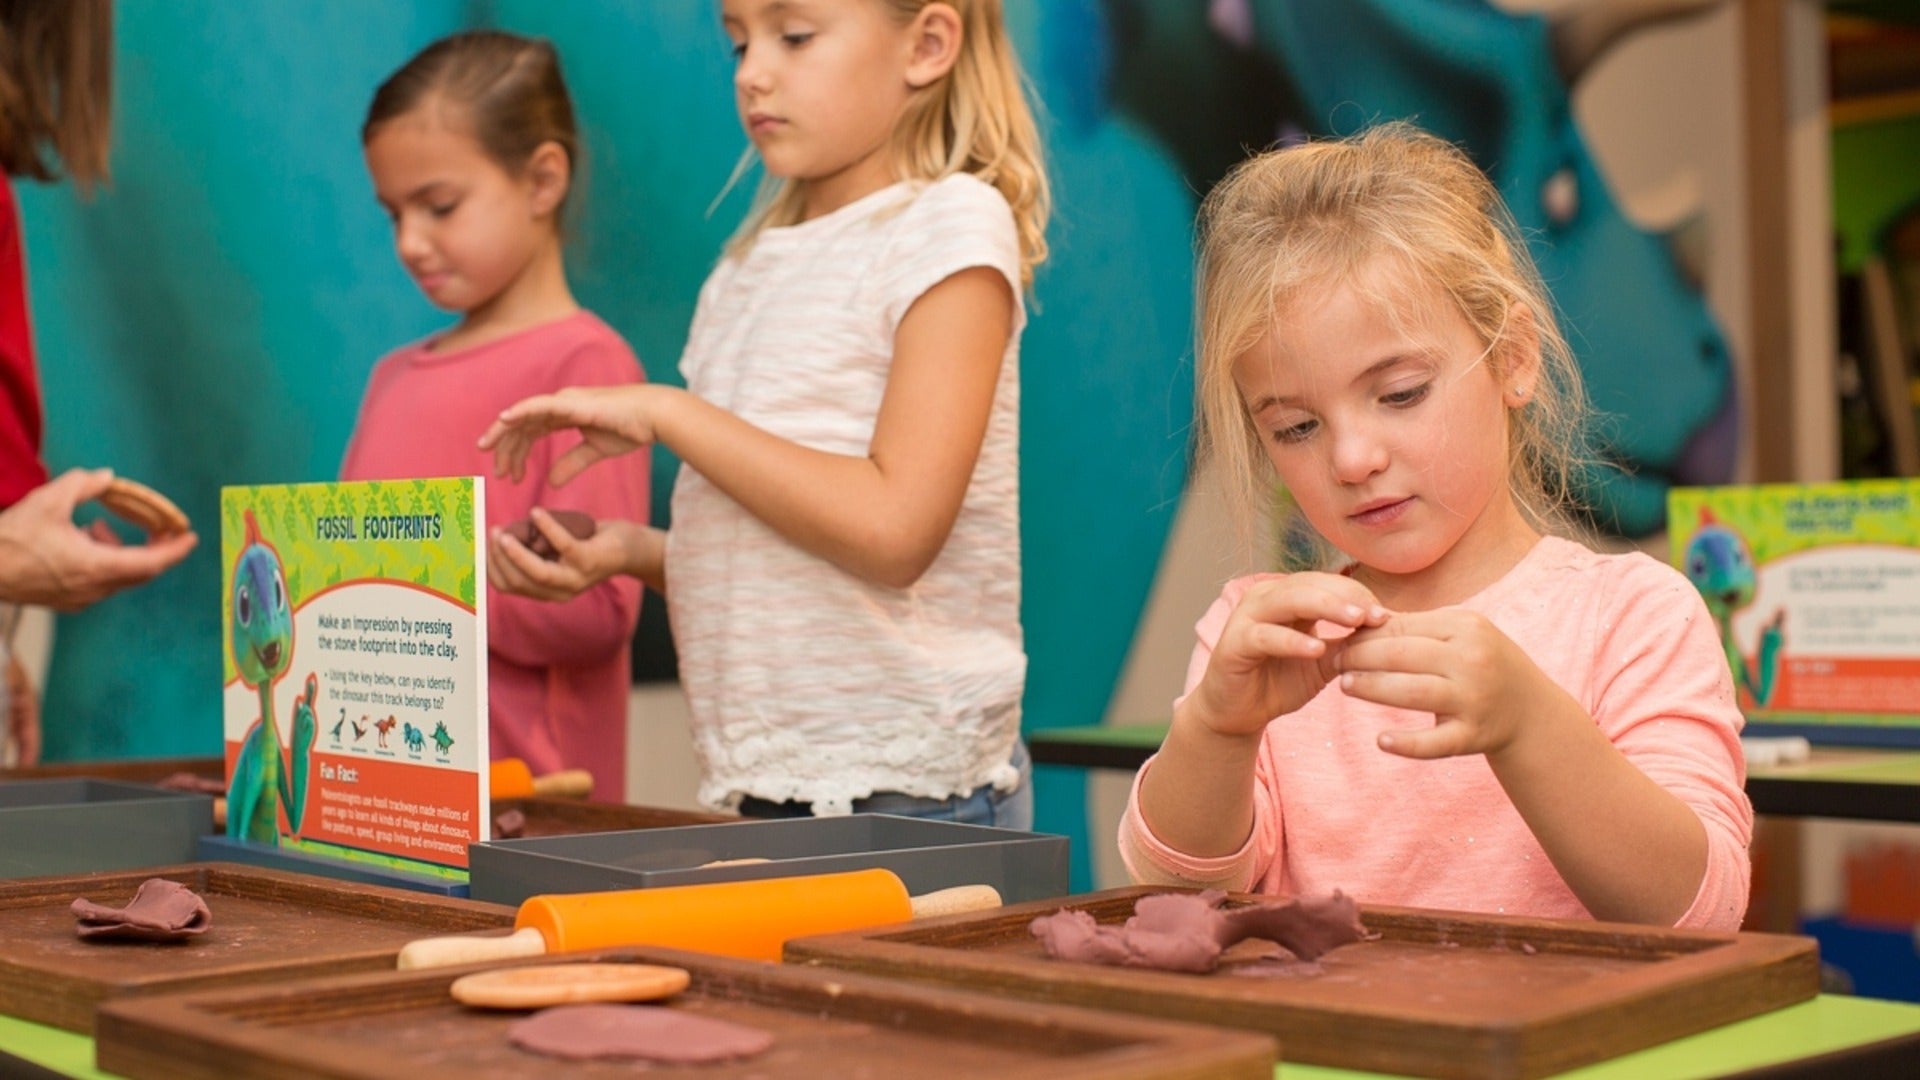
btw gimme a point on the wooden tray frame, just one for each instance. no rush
(36, 989)
(258, 1033)
(1692, 981)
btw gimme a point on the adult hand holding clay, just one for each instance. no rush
(46, 559)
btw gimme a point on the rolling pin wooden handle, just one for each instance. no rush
(466, 949)
(955, 900)
(565, 784)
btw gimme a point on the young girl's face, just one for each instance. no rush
(819, 85)
(1390, 435)
(463, 226)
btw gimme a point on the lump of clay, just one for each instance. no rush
(161, 910)
(580, 524)
(1189, 931)
(650, 1032)
(509, 824)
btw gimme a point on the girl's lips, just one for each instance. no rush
(760, 125)
(430, 282)
(1382, 514)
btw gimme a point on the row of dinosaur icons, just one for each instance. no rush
(414, 737)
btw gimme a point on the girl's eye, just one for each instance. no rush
(443, 209)
(1412, 395)
(1296, 433)
(795, 40)
(738, 50)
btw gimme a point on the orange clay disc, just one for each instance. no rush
(140, 505)
(542, 985)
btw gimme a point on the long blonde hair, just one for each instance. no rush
(974, 120)
(1292, 221)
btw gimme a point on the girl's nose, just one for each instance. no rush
(749, 73)
(1358, 454)
(409, 239)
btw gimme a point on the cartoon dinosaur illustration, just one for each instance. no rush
(416, 739)
(338, 724)
(441, 737)
(383, 727)
(359, 729)
(262, 636)
(1720, 566)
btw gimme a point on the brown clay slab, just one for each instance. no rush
(1436, 994)
(405, 1026)
(548, 816)
(267, 925)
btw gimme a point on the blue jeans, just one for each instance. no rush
(981, 806)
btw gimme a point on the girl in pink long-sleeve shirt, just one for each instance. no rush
(471, 146)
(1468, 711)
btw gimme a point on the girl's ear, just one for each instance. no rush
(935, 36)
(1521, 367)
(548, 173)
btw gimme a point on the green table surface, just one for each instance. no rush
(1826, 1024)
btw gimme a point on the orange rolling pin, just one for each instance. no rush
(747, 919)
(509, 778)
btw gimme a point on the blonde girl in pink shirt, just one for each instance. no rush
(472, 148)
(1459, 707)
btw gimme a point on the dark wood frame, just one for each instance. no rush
(1692, 981)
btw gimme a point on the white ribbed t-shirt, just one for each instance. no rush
(806, 682)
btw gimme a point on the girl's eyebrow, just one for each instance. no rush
(1266, 402)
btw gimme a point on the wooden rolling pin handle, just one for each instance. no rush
(465, 949)
(565, 784)
(956, 900)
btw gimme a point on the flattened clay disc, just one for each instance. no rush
(652, 1032)
(577, 522)
(558, 984)
(140, 505)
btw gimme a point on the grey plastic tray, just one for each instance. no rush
(76, 826)
(927, 855)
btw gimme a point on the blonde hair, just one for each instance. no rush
(974, 120)
(1292, 221)
(56, 88)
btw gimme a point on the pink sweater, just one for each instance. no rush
(558, 674)
(1628, 637)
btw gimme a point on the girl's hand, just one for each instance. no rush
(616, 547)
(612, 420)
(1452, 663)
(1272, 658)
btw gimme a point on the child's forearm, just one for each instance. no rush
(1197, 796)
(1628, 848)
(851, 511)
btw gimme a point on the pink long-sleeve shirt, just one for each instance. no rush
(558, 674)
(1628, 637)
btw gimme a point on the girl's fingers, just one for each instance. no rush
(1309, 597)
(1448, 739)
(1398, 689)
(1284, 642)
(572, 464)
(1388, 651)
(557, 535)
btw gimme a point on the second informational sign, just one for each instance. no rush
(355, 676)
(1815, 589)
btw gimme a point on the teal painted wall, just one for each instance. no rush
(212, 316)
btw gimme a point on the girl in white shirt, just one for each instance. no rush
(845, 550)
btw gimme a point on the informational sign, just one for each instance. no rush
(1815, 589)
(356, 663)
